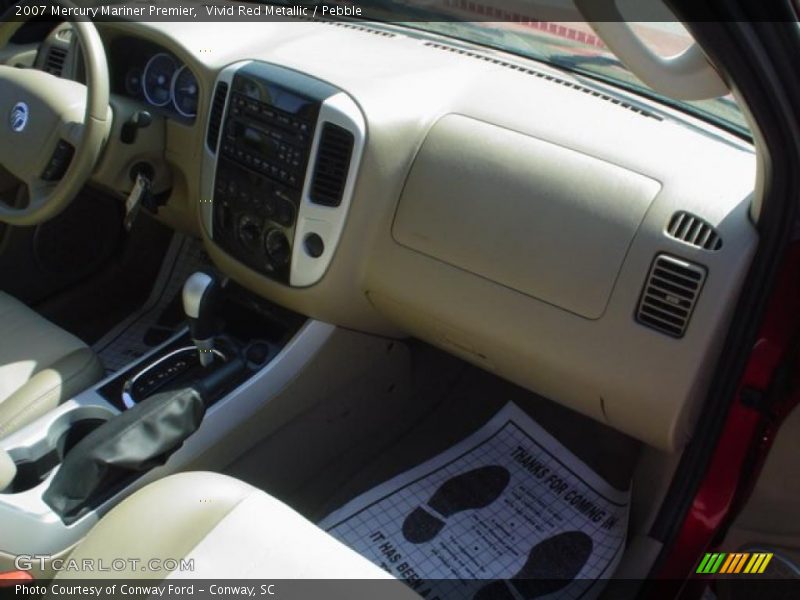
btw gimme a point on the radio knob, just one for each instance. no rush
(278, 248)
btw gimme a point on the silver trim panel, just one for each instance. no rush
(326, 221)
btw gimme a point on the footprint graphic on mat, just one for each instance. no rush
(552, 564)
(474, 489)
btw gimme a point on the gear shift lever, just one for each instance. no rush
(199, 296)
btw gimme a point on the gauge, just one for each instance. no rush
(184, 92)
(158, 73)
(133, 82)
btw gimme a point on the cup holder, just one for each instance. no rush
(32, 472)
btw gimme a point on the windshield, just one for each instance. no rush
(571, 45)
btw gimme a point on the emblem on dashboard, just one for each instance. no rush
(18, 118)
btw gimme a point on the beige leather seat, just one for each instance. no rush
(41, 365)
(230, 529)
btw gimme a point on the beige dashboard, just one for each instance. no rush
(505, 211)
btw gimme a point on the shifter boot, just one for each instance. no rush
(127, 445)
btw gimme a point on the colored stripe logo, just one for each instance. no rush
(734, 563)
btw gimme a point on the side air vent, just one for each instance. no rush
(693, 230)
(670, 294)
(333, 162)
(215, 118)
(54, 63)
(571, 84)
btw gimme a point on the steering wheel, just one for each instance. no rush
(44, 119)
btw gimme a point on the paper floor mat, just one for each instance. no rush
(506, 513)
(127, 341)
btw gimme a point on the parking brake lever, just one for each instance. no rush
(133, 442)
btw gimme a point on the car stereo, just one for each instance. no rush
(264, 150)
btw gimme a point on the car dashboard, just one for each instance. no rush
(583, 242)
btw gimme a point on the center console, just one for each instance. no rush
(284, 149)
(253, 328)
(267, 346)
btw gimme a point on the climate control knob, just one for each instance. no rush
(278, 248)
(249, 232)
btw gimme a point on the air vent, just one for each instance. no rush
(571, 84)
(333, 163)
(670, 295)
(215, 118)
(54, 63)
(693, 230)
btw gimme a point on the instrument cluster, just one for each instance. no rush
(155, 76)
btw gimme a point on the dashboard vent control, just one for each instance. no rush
(54, 63)
(670, 294)
(333, 163)
(542, 75)
(215, 119)
(693, 230)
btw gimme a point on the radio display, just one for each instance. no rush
(277, 96)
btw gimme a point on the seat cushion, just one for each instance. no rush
(229, 528)
(41, 365)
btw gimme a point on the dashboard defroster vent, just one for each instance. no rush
(359, 28)
(215, 118)
(565, 82)
(670, 294)
(332, 164)
(54, 63)
(693, 230)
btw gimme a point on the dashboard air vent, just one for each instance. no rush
(693, 230)
(333, 162)
(571, 84)
(54, 63)
(670, 294)
(215, 118)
